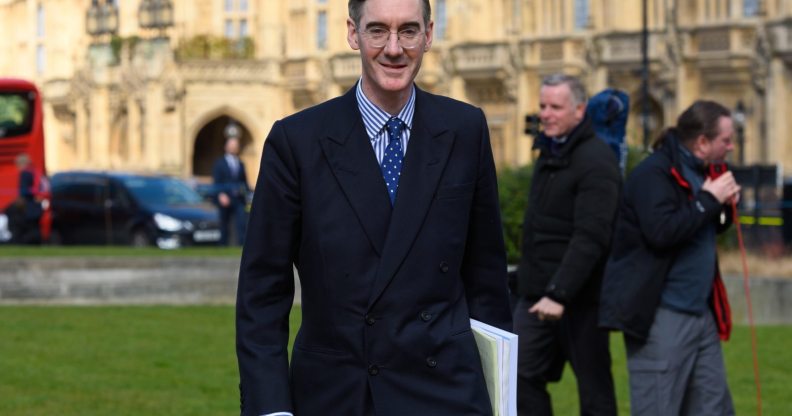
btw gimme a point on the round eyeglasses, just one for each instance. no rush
(378, 37)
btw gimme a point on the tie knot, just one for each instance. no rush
(394, 126)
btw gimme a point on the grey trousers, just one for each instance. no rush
(679, 370)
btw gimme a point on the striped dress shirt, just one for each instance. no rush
(374, 119)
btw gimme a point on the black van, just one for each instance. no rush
(139, 210)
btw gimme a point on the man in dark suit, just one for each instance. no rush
(231, 182)
(393, 260)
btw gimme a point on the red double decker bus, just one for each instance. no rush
(21, 131)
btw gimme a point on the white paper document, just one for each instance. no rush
(498, 351)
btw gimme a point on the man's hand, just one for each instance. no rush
(547, 309)
(224, 200)
(724, 188)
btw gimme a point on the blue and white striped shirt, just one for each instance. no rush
(374, 119)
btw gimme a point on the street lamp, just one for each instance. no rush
(739, 120)
(155, 14)
(101, 19)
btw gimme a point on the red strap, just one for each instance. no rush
(720, 303)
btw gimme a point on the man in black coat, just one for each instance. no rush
(662, 285)
(566, 236)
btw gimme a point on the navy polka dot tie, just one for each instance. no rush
(392, 160)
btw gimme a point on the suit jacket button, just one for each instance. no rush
(431, 362)
(373, 370)
(426, 316)
(369, 320)
(444, 266)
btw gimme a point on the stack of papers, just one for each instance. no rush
(498, 351)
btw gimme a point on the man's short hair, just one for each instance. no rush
(579, 95)
(356, 11)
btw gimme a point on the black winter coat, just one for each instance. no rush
(657, 216)
(569, 220)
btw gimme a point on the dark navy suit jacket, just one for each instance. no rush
(235, 186)
(387, 292)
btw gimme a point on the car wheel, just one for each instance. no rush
(140, 239)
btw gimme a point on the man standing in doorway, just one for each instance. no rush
(385, 200)
(232, 188)
(662, 285)
(566, 237)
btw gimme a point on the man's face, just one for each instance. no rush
(557, 110)
(390, 69)
(715, 150)
(232, 146)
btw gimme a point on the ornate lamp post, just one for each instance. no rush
(739, 123)
(101, 18)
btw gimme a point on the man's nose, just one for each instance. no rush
(392, 46)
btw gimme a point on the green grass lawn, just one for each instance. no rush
(180, 361)
(122, 251)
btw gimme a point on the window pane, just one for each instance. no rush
(750, 8)
(321, 30)
(40, 21)
(40, 59)
(243, 5)
(229, 28)
(243, 28)
(581, 14)
(229, 5)
(16, 115)
(441, 19)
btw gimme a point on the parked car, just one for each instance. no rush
(134, 209)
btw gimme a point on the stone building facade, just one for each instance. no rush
(160, 99)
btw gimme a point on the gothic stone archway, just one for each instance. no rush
(209, 144)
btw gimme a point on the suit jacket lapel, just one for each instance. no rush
(350, 155)
(427, 154)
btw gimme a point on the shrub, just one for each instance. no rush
(513, 186)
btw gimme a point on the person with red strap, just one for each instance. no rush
(662, 284)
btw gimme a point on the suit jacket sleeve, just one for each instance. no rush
(484, 265)
(266, 281)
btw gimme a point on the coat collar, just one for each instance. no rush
(582, 132)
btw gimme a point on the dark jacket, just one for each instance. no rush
(569, 219)
(235, 186)
(387, 291)
(657, 215)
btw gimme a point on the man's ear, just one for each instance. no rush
(352, 34)
(580, 111)
(701, 147)
(429, 36)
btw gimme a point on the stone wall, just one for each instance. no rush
(201, 280)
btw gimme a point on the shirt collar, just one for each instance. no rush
(374, 118)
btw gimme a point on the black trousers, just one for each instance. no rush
(544, 348)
